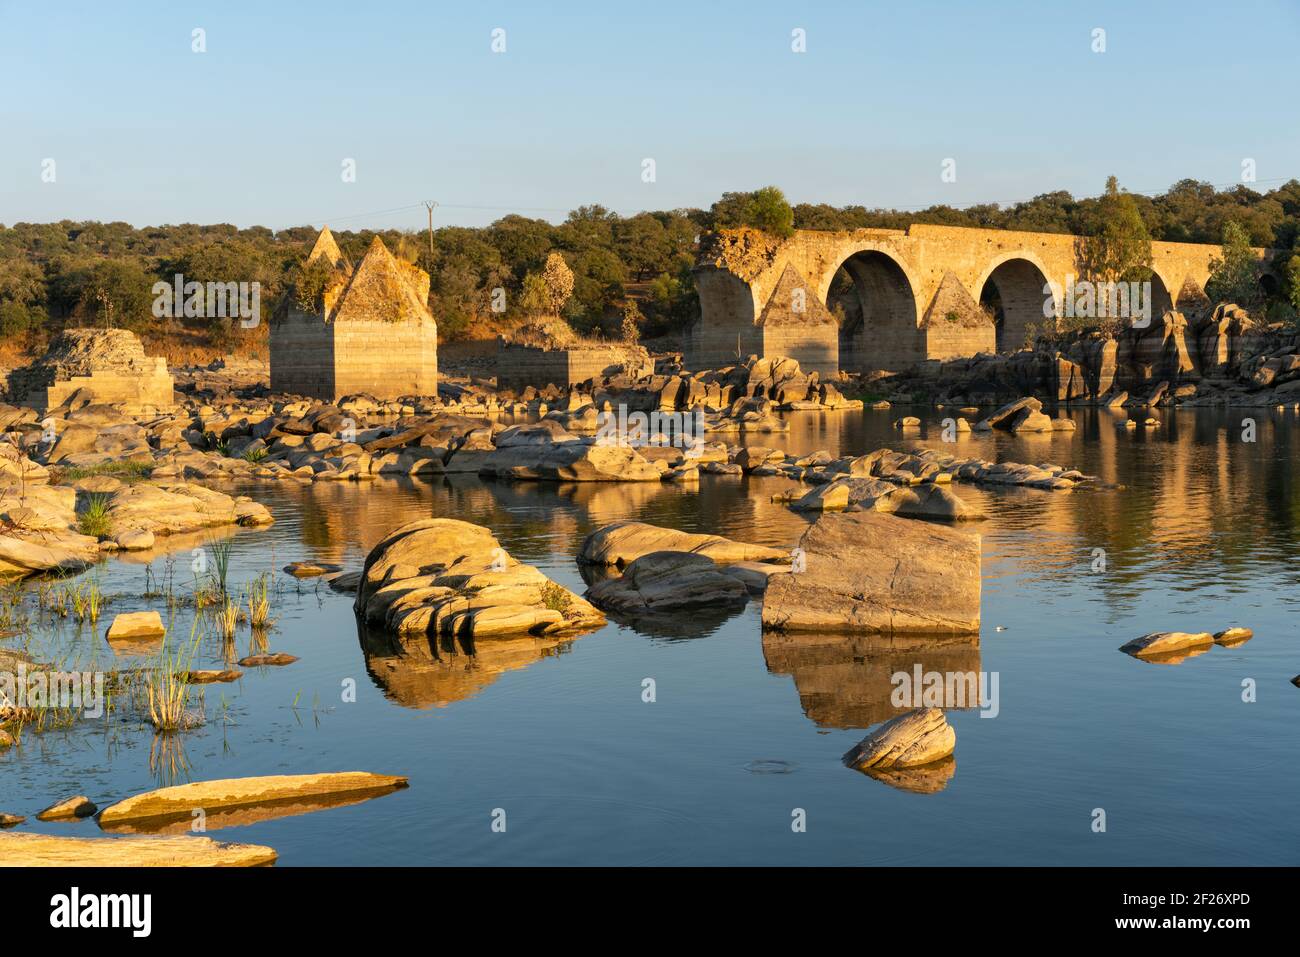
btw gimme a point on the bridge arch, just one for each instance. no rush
(1016, 289)
(873, 288)
(1162, 299)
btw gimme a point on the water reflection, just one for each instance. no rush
(927, 779)
(438, 671)
(845, 681)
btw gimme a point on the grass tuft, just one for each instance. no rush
(94, 519)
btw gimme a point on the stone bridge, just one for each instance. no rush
(871, 299)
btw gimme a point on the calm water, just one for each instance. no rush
(744, 730)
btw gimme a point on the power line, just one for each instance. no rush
(1217, 187)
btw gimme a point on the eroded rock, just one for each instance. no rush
(913, 739)
(447, 577)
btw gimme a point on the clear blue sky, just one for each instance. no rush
(255, 130)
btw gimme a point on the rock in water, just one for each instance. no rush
(874, 573)
(913, 739)
(68, 809)
(446, 577)
(1166, 642)
(1231, 637)
(182, 799)
(668, 581)
(136, 624)
(271, 659)
(624, 542)
(1014, 415)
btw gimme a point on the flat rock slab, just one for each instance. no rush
(207, 677)
(864, 572)
(913, 739)
(310, 569)
(1166, 642)
(624, 542)
(136, 624)
(275, 658)
(42, 850)
(183, 799)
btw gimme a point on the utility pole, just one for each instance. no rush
(429, 204)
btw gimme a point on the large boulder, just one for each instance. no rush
(624, 542)
(445, 577)
(1023, 415)
(668, 582)
(867, 572)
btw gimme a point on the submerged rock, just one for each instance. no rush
(1166, 642)
(310, 569)
(867, 572)
(622, 542)
(204, 677)
(913, 739)
(269, 659)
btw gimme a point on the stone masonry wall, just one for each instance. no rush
(520, 366)
(302, 356)
(385, 359)
(815, 347)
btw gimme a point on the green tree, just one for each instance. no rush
(1116, 245)
(116, 292)
(765, 209)
(1234, 276)
(643, 245)
(534, 299)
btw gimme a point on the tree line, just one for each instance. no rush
(631, 275)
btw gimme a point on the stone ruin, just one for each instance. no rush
(374, 333)
(547, 352)
(109, 364)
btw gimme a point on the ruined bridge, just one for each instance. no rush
(884, 298)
